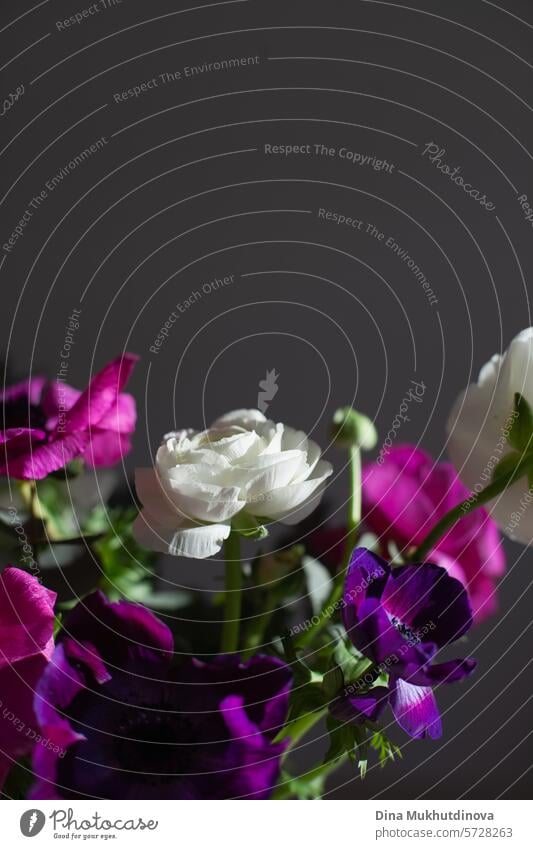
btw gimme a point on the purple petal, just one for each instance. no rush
(101, 394)
(450, 671)
(358, 709)
(256, 764)
(238, 722)
(263, 681)
(430, 602)
(57, 688)
(365, 578)
(118, 629)
(415, 710)
(375, 636)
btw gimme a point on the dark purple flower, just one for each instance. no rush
(130, 726)
(406, 492)
(26, 644)
(399, 618)
(47, 424)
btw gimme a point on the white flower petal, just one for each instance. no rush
(247, 419)
(236, 446)
(283, 503)
(196, 541)
(273, 471)
(294, 439)
(206, 502)
(153, 495)
(478, 429)
(272, 436)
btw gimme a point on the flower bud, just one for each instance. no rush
(351, 428)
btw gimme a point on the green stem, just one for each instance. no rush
(257, 628)
(286, 790)
(299, 727)
(353, 521)
(233, 595)
(474, 501)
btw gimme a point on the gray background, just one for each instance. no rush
(183, 193)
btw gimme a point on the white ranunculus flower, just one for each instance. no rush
(478, 430)
(203, 479)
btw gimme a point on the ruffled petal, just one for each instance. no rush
(295, 502)
(195, 541)
(47, 457)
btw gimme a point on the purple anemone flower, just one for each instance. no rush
(26, 644)
(45, 424)
(130, 726)
(399, 618)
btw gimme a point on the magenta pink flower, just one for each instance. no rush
(26, 645)
(403, 498)
(45, 424)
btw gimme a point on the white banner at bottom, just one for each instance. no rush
(234, 824)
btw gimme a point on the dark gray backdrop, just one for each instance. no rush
(180, 191)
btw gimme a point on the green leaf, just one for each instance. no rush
(340, 739)
(385, 748)
(521, 431)
(333, 681)
(305, 787)
(351, 661)
(127, 569)
(506, 466)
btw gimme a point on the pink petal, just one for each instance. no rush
(26, 617)
(106, 448)
(122, 415)
(49, 457)
(101, 394)
(58, 395)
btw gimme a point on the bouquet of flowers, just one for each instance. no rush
(112, 686)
